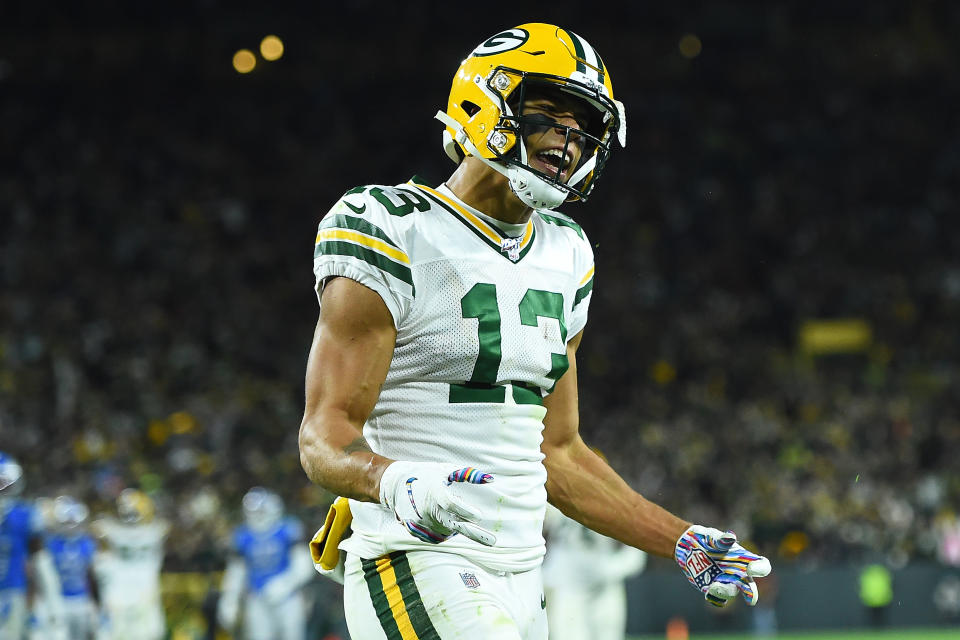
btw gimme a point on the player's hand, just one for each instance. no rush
(716, 564)
(423, 500)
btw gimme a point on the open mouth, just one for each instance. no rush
(553, 162)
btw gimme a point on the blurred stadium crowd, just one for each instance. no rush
(795, 163)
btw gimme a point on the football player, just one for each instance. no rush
(441, 386)
(128, 569)
(584, 579)
(24, 562)
(72, 549)
(267, 572)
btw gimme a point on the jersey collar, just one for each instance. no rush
(513, 248)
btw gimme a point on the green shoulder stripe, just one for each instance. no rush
(342, 221)
(382, 262)
(562, 222)
(582, 292)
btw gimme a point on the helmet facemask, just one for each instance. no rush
(511, 90)
(571, 166)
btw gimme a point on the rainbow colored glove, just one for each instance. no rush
(424, 501)
(716, 564)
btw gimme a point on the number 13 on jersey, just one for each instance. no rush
(481, 303)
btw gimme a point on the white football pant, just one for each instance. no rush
(427, 595)
(263, 620)
(578, 611)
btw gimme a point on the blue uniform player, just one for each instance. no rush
(267, 570)
(73, 550)
(25, 566)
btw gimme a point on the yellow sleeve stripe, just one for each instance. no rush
(365, 241)
(587, 277)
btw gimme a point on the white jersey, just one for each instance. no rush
(584, 580)
(577, 555)
(129, 569)
(483, 318)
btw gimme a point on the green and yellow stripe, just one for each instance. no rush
(345, 235)
(585, 287)
(396, 598)
(488, 233)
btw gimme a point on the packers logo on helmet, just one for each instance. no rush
(503, 41)
(485, 112)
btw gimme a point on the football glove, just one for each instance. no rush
(423, 499)
(718, 566)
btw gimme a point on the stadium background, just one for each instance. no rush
(773, 342)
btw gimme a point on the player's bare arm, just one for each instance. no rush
(348, 363)
(584, 487)
(351, 352)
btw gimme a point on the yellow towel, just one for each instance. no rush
(324, 546)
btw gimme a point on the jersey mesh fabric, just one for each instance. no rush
(468, 298)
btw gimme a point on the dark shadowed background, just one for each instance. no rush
(773, 344)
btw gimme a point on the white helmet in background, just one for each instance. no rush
(262, 508)
(11, 477)
(69, 514)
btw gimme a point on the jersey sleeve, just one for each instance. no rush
(359, 239)
(583, 272)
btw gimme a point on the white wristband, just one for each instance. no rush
(393, 476)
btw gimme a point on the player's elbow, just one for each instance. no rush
(562, 477)
(310, 445)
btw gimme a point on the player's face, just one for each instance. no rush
(547, 136)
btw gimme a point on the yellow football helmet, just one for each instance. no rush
(484, 113)
(134, 506)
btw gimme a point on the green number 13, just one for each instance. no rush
(481, 303)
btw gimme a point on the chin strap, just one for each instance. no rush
(622, 131)
(532, 190)
(583, 171)
(464, 140)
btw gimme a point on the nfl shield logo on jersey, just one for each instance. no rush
(470, 580)
(511, 246)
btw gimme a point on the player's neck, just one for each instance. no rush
(488, 191)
